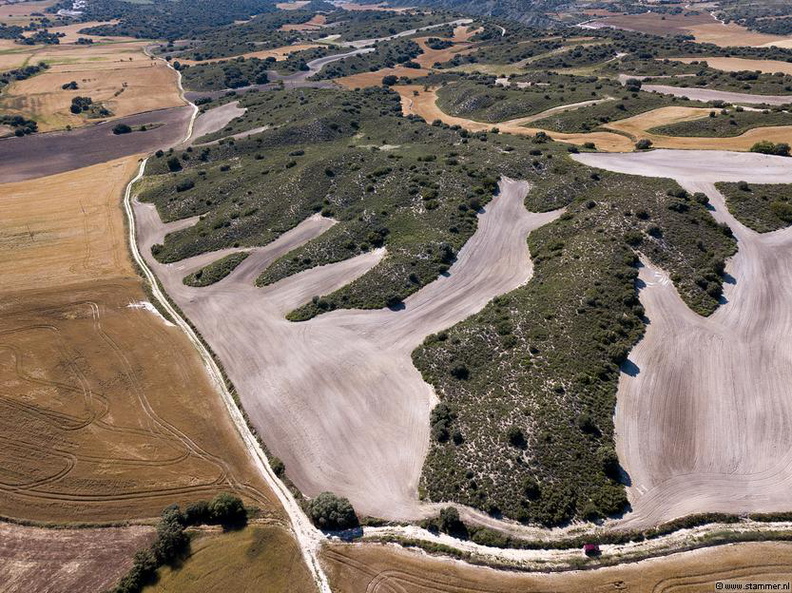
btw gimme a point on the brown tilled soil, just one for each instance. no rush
(388, 569)
(39, 155)
(67, 560)
(107, 412)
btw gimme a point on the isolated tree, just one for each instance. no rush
(331, 513)
(389, 80)
(227, 509)
(643, 144)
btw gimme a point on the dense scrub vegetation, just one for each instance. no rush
(478, 97)
(165, 19)
(528, 385)
(216, 271)
(326, 152)
(744, 81)
(768, 16)
(231, 74)
(763, 208)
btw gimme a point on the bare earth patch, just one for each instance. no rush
(67, 560)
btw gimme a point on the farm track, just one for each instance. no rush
(381, 569)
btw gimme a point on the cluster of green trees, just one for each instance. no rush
(20, 125)
(173, 543)
(330, 512)
(767, 147)
(23, 73)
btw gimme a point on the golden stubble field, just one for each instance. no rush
(259, 558)
(119, 75)
(106, 412)
(388, 569)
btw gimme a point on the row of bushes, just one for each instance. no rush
(172, 542)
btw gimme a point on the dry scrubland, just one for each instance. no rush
(384, 569)
(67, 560)
(18, 13)
(258, 558)
(119, 76)
(426, 60)
(96, 424)
(416, 100)
(703, 423)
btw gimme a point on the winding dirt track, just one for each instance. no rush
(706, 422)
(337, 398)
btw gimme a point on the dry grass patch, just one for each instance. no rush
(19, 13)
(121, 77)
(636, 128)
(380, 569)
(67, 560)
(258, 558)
(107, 412)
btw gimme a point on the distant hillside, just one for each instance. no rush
(531, 12)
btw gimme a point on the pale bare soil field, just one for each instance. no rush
(119, 76)
(214, 120)
(388, 569)
(698, 94)
(67, 560)
(337, 398)
(738, 64)
(38, 155)
(704, 422)
(107, 412)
